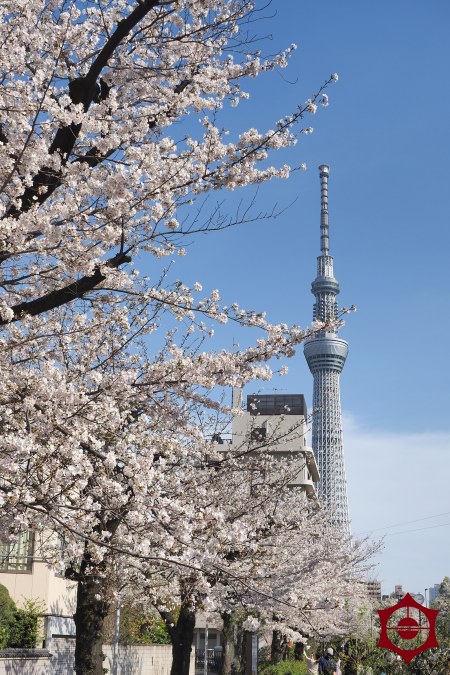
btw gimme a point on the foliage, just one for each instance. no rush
(285, 668)
(365, 657)
(3, 635)
(7, 604)
(19, 627)
(23, 632)
(141, 629)
(7, 613)
(430, 662)
(442, 603)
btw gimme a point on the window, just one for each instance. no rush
(276, 404)
(17, 556)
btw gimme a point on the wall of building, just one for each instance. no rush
(56, 593)
(133, 660)
(151, 660)
(22, 663)
(215, 628)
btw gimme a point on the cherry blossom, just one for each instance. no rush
(110, 132)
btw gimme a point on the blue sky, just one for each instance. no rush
(386, 138)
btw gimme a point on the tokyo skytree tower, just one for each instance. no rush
(326, 354)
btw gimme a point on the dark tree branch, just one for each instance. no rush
(66, 294)
(82, 90)
(92, 157)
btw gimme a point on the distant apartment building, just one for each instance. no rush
(374, 590)
(434, 592)
(398, 592)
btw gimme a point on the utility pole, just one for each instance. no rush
(115, 663)
(205, 665)
(251, 654)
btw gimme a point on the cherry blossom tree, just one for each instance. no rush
(105, 445)
(90, 176)
(269, 554)
(442, 603)
(100, 152)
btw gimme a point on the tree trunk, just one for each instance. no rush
(229, 638)
(279, 650)
(182, 636)
(93, 602)
(239, 657)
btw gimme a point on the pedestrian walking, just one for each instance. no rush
(327, 664)
(312, 662)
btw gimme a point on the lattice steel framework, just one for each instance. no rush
(326, 354)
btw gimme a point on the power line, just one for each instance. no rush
(408, 522)
(418, 529)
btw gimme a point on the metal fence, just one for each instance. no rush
(213, 658)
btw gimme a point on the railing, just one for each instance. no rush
(214, 659)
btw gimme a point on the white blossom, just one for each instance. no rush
(251, 624)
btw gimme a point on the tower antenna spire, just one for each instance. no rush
(326, 353)
(324, 225)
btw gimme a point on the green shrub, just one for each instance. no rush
(141, 629)
(18, 627)
(23, 631)
(7, 612)
(285, 668)
(7, 605)
(4, 632)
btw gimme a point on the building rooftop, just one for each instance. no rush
(276, 404)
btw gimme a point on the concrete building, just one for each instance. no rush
(398, 591)
(374, 590)
(277, 423)
(326, 354)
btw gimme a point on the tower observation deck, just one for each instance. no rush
(325, 354)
